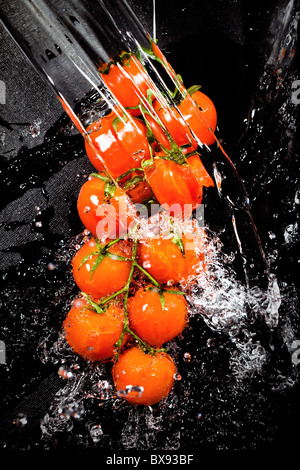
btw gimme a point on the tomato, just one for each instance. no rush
(200, 114)
(174, 185)
(162, 259)
(93, 335)
(200, 171)
(173, 262)
(157, 318)
(108, 277)
(139, 192)
(176, 126)
(94, 205)
(179, 186)
(121, 142)
(158, 132)
(154, 374)
(128, 82)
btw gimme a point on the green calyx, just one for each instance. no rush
(101, 253)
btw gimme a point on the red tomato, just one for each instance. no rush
(93, 335)
(174, 185)
(157, 318)
(153, 375)
(158, 132)
(199, 171)
(168, 262)
(177, 127)
(122, 144)
(115, 212)
(108, 277)
(162, 259)
(128, 82)
(200, 114)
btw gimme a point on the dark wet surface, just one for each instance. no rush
(231, 396)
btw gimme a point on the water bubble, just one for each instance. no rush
(187, 357)
(136, 389)
(20, 420)
(271, 235)
(96, 432)
(65, 373)
(146, 264)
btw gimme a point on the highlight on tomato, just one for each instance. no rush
(142, 378)
(93, 333)
(157, 317)
(101, 270)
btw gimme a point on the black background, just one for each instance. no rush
(225, 47)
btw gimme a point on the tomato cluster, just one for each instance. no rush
(132, 301)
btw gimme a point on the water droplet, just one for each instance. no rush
(271, 235)
(187, 357)
(65, 373)
(96, 432)
(86, 210)
(20, 420)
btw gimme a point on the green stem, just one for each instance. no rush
(148, 275)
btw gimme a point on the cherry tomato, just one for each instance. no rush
(128, 82)
(176, 126)
(159, 134)
(200, 113)
(104, 215)
(157, 318)
(178, 185)
(93, 335)
(153, 374)
(162, 259)
(173, 261)
(100, 276)
(174, 185)
(121, 142)
(200, 171)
